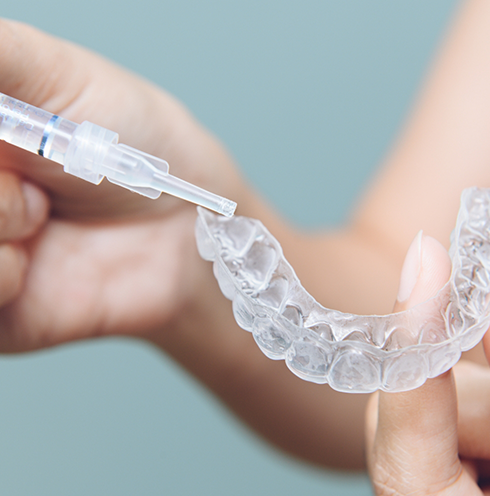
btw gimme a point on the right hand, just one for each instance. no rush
(77, 260)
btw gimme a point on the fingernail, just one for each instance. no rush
(35, 203)
(411, 269)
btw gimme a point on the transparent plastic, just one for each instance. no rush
(92, 152)
(352, 353)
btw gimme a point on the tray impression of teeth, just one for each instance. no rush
(352, 353)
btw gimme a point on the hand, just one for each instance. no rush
(105, 260)
(415, 444)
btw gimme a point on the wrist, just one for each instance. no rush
(202, 334)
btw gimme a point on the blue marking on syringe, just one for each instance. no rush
(47, 131)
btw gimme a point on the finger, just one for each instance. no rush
(415, 445)
(78, 85)
(13, 263)
(65, 79)
(23, 208)
(471, 467)
(36, 67)
(426, 269)
(371, 422)
(416, 438)
(473, 388)
(483, 468)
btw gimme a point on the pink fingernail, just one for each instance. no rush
(411, 269)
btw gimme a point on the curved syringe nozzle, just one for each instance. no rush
(92, 152)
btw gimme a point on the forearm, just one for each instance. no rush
(445, 146)
(443, 149)
(306, 420)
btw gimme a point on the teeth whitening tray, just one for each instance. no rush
(91, 152)
(352, 353)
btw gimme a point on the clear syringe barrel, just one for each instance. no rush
(92, 152)
(35, 130)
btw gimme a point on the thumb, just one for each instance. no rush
(412, 436)
(426, 269)
(63, 78)
(39, 68)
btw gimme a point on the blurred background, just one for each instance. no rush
(308, 96)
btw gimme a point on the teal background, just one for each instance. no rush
(307, 96)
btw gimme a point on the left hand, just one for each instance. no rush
(415, 443)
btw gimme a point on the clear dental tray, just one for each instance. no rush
(352, 353)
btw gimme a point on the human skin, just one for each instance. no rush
(415, 444)
(105, 262)
(414, 440)
(99, 261)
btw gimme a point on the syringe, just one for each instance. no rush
(92, 152)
